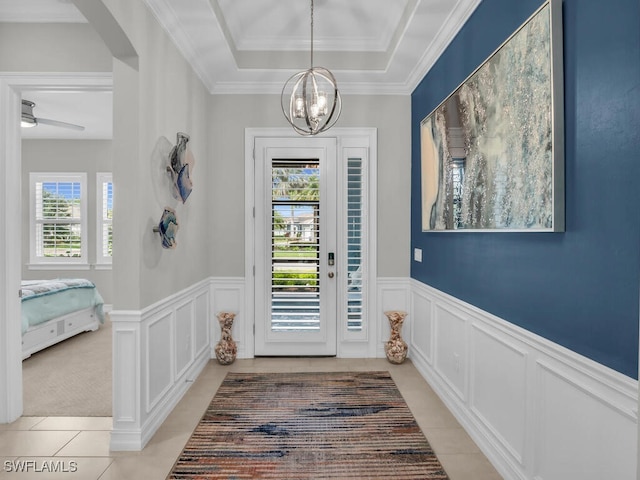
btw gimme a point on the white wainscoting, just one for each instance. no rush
(157, 353)
(537, 410)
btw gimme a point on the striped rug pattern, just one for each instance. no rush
(347, 425)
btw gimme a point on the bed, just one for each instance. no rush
(54, 310)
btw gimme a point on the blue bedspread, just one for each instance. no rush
(43, 300)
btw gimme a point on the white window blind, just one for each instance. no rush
(104, 218)
(355, 265)
(295, 247)
(58, 218)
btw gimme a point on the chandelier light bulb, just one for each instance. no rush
(321, 101)
(298, 109)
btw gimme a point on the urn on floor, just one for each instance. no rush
(226, 349)
(396, 348)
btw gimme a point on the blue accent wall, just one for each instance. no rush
(579, 288)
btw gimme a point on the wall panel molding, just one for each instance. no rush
(537, 410)
(450, 332)
(498, 368)
(160, 353)
(421, 340)
(154, 362)
(607, 429)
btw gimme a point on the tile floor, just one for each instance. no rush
(78, 447)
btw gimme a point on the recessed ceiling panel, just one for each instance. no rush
(339, 25)
(252, 46)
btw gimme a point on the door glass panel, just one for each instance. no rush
(295, 245)
(354, 244)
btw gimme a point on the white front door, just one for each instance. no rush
(296, 246)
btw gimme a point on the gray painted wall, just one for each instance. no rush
(51, 47)
(90, 156)
(229, 115)
(161, 97)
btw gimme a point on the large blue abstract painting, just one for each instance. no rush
(492, 152)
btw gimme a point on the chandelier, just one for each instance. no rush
(310, 99)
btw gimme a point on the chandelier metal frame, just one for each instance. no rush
(314, 103)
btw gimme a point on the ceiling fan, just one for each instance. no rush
(29, 120)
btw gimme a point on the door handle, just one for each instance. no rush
(330, 274)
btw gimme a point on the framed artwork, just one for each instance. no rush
(492, 153)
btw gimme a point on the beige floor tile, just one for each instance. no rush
(244, 362)
(432, 415)
(412, 388)
(470, 466)
(204, 387)
(166, 443)
(87, 444)
(34, 444)
(450, 441)
(53, 468)
(275, 364)
(185, 417)
(138, 468)
(22, 423)
(407, 375)
(75, 423)
(213, 370)
(427, 409)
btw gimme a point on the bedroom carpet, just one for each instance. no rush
(341, 425)
(71, 378)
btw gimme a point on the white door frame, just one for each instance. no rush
(365, 346)
(11, 87)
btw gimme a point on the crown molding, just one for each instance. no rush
(214, 60)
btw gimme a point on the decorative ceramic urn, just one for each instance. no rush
(226, 349)
(396, 348)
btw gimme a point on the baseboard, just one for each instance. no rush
(537, 410)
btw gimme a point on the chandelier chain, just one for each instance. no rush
(311, 66)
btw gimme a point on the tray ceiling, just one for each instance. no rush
(253, 46)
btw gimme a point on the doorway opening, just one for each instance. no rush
(311, 243)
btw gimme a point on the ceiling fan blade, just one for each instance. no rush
(56, 123)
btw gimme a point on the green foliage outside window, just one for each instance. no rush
(59, 239)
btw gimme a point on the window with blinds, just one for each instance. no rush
(354, 244)
(58, 218)
(295, 245)
(104, 219)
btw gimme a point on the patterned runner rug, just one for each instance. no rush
(353, 425)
